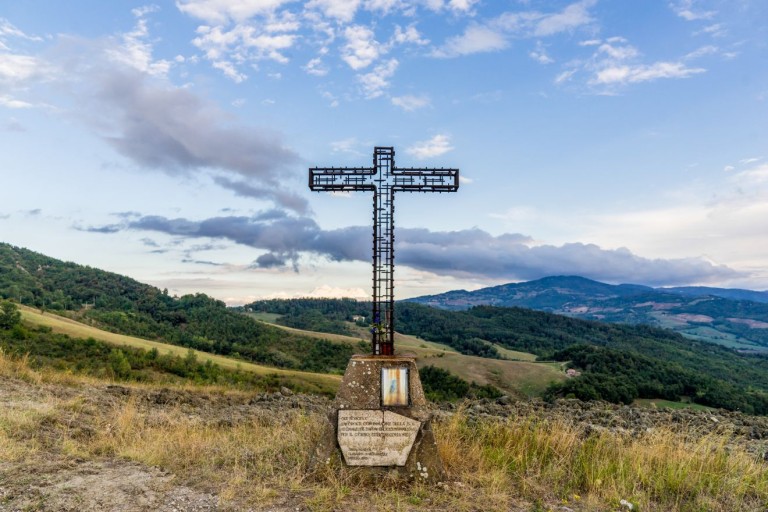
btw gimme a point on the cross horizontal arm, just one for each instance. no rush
(425, 180)
(341, 178)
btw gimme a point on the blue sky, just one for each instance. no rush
(170, 141)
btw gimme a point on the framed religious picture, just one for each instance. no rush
(394, 387)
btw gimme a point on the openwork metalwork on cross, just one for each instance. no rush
(384, 179)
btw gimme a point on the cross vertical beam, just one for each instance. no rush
(384, 179)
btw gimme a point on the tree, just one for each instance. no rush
(9, 315)
(119, 363)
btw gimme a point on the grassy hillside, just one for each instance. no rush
(306, 381)
(122, 305)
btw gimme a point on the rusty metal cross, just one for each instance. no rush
(384, 179)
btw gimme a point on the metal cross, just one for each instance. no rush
(384, 179)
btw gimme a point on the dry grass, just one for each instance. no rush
(249, 460)
(513, 464)
(552, 461)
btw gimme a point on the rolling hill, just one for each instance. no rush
(730, 317)
(84, 302)
(486, 344)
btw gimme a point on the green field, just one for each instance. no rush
(320, 382)
(517, 375)
(269, 318)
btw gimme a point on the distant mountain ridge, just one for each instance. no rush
(732, 317)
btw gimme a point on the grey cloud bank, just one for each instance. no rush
(471, 253)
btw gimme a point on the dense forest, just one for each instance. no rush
(619, 363)
(120, 304)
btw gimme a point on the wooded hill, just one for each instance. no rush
(121, 304)
(730, 317)
(619, 362)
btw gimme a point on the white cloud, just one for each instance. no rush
(700, 52)
(7, 29)
(618, 52)
(573, 16)
(315, 67)
(385, 6)
(336, 292)
(341, 10)
(493, 35)
(565, 76)
(349, 145)
(643, 73)
(136, 52)
(377, 81)
(9, 102)
(230, 71)
(714, 30)
(222, 11)
(455, 6)
(461, 5)
(408, 35)
(361, 49)
(540, 54)
(410, 103)
(333, 100)
(686, 10)
(16, 69)
(475, 39)
(227, 49)
(436, 146)
(615, 63)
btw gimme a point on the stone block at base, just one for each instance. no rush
(385, 440)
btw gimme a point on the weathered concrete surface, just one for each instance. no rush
(361, 385)
(361, 391)
(375, 438)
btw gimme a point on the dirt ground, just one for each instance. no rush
(47, 479)
(43, 421)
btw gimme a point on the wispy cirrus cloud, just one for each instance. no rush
(410, 103)
(475, 39)
(689, 10)
(436, 146)
(627, 74)
(615, 63)
(374, 84)
(495, 34)
(134, 50)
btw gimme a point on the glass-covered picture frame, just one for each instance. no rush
(394, 387)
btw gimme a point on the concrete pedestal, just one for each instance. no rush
(380, 422)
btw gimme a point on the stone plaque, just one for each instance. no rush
(375, 437)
